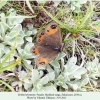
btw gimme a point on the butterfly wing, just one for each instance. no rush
(51, 36)
(45, 55)
(41, 37)
(49, 44)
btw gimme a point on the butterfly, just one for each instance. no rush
(49, 44)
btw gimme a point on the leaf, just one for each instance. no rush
(62, 63)
(1, 50)
(60, 80)
(55, 64)
(11, 35)
(20, 41)
(65, 86)
(61, 55)
(28, 33)
(35, 75)
(22, 34)
(1, 46)
(29, 39)
(93, 82)
(73, 86)
(49, 89)
(17, 28)
(27, 64)
(49, 69)
(9, 41)
(28, 47)
(2, 29)
(27, 86)
(85, 82)
(44, 80)
(22, 75)
(71, 63)
(3, 19)
(34, 31)
(30, 27)
(77, 74)
(70, 67)
(39, 87)
(13, 19)
(6, 50)
(8, 56)
(51, 76)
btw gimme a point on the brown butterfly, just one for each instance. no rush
(49, 44)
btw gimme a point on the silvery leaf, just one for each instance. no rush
(77, 74)
(44, 80)
(20, 41)
(27, 64)
(39, 87)
(28, 33)
(29, 39)
(73, 86)
(55, 64)
(7, 38)
(62, 62)
(34, 90)
(71, 63)
(57, 71)
(27, 86)
(2, 29)
(1, 46)
(7, 50)
(3, 19)
(35, 75)
(49, 89)
(30, 26)
(28, 46)
(22, 75)
(12, 35)
(72, 70)
(22, 34)
(60, 80)
(49, 69)
(85, 82)
(17, 28)
(51, 76)
(34, 31)
(60, 55)
(14, 83)
(93, 82)
(65, 86)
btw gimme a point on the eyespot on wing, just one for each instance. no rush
(35, 51)
(52, 28)
(40, 37)
(41, 61)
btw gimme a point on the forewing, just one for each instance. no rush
(51, 36)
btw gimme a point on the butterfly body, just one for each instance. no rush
(49, 44)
